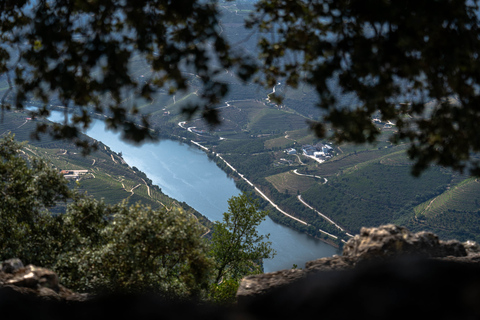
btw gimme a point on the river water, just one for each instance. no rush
(185, 173)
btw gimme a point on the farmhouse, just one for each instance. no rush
(73, 174)
(291, 151)
(310, 150)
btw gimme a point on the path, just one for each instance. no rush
(22, 124)
(182, 125)
(273, 92)
(261, 193)
(17, 127)
(31, 151)
(299, 197)
(428, 207)
(310, 175)
(148, 188)
(131, 190)
(300, 160)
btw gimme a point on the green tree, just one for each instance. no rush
(384, 59)
(236, 247)
(94, 246)
(139, 250)
(28, 186)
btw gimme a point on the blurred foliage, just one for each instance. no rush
(413, 63)
(382, 59)
(77, 54)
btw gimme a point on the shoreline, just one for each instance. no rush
(236, 177)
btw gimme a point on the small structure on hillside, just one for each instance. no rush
(73, 174)
(318, 148)
(291, 151)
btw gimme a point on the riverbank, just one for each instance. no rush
(278, 214)
(234, 174)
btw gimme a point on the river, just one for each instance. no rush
(185, 173)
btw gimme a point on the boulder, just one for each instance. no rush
(372, 245)
(399, 288)
(390, 241)
(35, 281)
(11, 265)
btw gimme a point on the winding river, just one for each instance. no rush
(185, 173)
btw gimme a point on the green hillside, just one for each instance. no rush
(108, 177)
(456, 211)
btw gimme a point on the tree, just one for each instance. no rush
(364, 59)
(94, 246)
(139, 250)
(236, 247)
(386, 59)
(28, 186)
(77, 53)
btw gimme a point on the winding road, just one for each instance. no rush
(310, 175)
(182, 125)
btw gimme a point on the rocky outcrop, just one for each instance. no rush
(34, 281)
(390, 241)
(372, 245)
(383, 273)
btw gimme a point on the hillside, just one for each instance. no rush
(101, 174)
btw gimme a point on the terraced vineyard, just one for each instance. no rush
(463, 197)
(108, 177)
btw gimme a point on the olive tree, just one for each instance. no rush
(28, 187)
(237, 248)
(139, 249)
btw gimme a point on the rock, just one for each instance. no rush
(35, 278)
(329, 264)
(371, 245)
(399, 288)
(390, 241)
(11, 265)
(471, 247)
(254, 285)
(35, 281)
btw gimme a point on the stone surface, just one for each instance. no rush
(34, 278)
(390, 241)
(11, 265)
(259, 285)
(371, 245)
(400, 288)
(35, 281)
